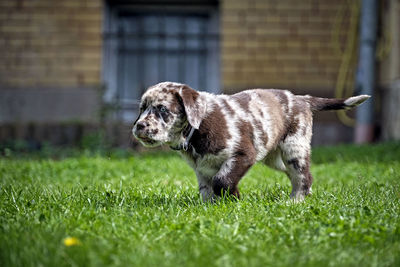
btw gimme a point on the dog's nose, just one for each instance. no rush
(140, 126)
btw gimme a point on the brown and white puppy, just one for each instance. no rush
(222, 136)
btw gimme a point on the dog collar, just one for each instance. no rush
(185, 145)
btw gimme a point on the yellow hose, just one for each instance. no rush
(345, 78)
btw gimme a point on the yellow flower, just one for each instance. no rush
(71, 241)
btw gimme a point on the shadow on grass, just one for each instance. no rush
(271, 193)
(274, 194)
(185, 200)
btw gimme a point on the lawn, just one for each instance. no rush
(129, 209)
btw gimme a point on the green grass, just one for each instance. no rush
(144, 210)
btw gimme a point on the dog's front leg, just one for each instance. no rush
(229, 175)
(205, 188)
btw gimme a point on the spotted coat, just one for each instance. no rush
(232, 132)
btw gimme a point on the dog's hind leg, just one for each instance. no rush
(296, 150)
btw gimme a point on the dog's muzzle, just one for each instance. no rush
(141, 132)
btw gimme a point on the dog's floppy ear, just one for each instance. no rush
(195, 106)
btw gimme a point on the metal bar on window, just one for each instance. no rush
(120, 66)
(182, 55)
(163, 43)
(175, 51)
(202, 60)
(163, 35)
(140, 61)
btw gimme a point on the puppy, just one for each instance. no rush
(222, 136)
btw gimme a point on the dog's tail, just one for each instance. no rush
(320, 104)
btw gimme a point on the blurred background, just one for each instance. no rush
(72, 71)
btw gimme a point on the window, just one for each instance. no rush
(144, 45)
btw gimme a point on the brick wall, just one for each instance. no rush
(50, 61)
(281, 44)
(291, 44)
(389, 48)
(389, 75)
(48, 43)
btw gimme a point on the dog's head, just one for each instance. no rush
(165, 111)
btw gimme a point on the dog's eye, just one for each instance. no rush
(162, 109)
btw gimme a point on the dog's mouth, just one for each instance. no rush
(146, 141)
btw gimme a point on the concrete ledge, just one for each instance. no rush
(49, 105)
(34, 135)
(331, 133)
